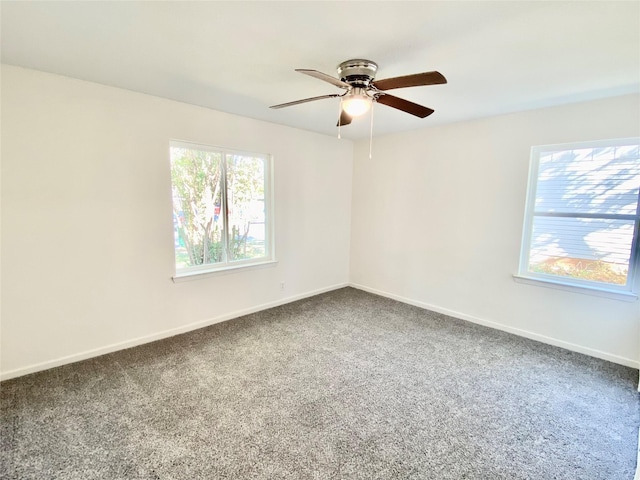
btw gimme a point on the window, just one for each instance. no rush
(582, 215)
(221, 208)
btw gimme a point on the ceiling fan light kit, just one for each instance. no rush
(357, 78)
(356, 103)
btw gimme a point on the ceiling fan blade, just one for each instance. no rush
(404, 105)
(305, 100)
(325, 77)
(416, 80)
(345, 119)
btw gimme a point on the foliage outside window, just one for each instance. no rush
(221, 208)
(582, 215)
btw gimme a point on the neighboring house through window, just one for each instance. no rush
(221, 208)
(582, 216)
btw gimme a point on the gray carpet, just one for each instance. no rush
(344, 385)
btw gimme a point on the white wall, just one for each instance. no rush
(437, 221)
(87, 239)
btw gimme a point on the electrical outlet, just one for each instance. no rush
(282, 285)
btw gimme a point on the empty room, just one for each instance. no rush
(320, 240)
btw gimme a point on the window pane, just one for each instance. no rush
(602, 180)
(198, 225)
(582, 248)
(246, 200)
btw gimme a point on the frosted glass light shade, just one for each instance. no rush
(356, 104)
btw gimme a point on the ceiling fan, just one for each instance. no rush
(357, 78)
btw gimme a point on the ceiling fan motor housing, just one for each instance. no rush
(358, 72)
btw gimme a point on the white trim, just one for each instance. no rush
(505, 328)
(269, 223)
(212, 272)
(558, 281)
(583, 289)
(607, 142)
(211, 321)
(96, 352)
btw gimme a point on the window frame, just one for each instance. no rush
(228, 266)
(629, 291)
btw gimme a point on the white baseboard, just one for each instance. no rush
(160, 335)
(204, 323)
(506, 328)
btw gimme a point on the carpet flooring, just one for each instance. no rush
(343, 385)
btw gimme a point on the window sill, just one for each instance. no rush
(583, 289)
(215, 271)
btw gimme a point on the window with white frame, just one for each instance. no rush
(221, 208)
(582, 215)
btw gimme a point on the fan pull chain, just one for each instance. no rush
(371, 132)
(339, 118)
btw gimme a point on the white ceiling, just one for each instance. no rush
(240, 57)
